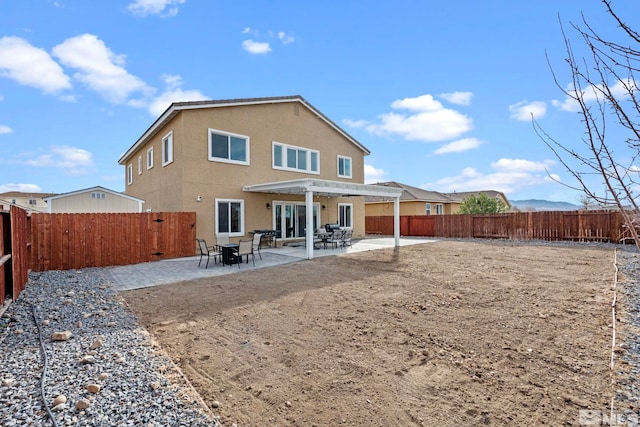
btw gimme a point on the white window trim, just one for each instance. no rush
(427, 208)
(350, 167)
(167, 149)
(139, 165)
(241, 201)
(150, 158)
(439, 209)
(130, 174)
(284, 158)
(237, 135)
(350, 214)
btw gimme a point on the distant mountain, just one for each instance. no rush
(543, 205)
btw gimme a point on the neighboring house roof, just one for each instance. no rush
(175, 108)
(20, 194)
(410, 193)
(93, 189)
(492, 194)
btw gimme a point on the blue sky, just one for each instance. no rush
(440, 92)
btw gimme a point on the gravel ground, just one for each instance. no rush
(111, 366)
(108, 364)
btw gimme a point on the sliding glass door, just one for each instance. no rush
(291, 218)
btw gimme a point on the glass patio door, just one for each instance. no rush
(291, 219)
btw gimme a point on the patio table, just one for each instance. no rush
(228, 254)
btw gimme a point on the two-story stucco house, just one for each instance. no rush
(243, 164)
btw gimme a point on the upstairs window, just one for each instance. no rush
(33, 202)
(289, 157)
(129, 174)
(139, 165)
(150, 158)
(344, 167)
(167, 149)
(228, 147)
(98, 195)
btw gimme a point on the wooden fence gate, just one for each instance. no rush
(69, 241)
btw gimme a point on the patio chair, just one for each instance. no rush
(257, 242)
(336, 238)
(208, 251)
(245, 247)
(346, 237)
(222, 239)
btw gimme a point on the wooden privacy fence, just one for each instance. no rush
(14, 252)
(68, 241)
(604, 226)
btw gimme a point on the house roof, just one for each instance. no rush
(410, 193)
(24, 195)
(458, 197)
(175, 108)
(323, 187)
(90, 190)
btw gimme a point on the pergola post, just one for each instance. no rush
(308, 235)
(396, 220)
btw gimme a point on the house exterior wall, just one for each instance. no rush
(178, 185)
(408, 208)
(84, 203)
(31, 202)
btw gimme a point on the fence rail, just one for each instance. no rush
(68, 241)
(602, 226)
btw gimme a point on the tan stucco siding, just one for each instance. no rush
(177, 186)
(407, 208)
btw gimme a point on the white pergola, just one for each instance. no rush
(320, 187)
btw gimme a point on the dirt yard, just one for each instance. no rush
(447, 333)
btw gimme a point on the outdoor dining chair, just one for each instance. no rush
(222, 239)
(346, 237)
(257, 242)
(336, 238)
(245, 248)
(208, 251)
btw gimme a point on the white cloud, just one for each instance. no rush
(592, 93)
(459, 98)
(173, 93)
(99, 68)
(154, 7)
(31, 66)
(23, 188)
(285, 38)
(4, 130)
(373, 174)
(524, 110)
(355, 123)
(508, 176)
(427, 121)
(258, 48)
(459, 146)
(73, 160)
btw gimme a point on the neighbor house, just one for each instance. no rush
(31, 202)
(416, 201)
(93, 200)
(244, 164)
